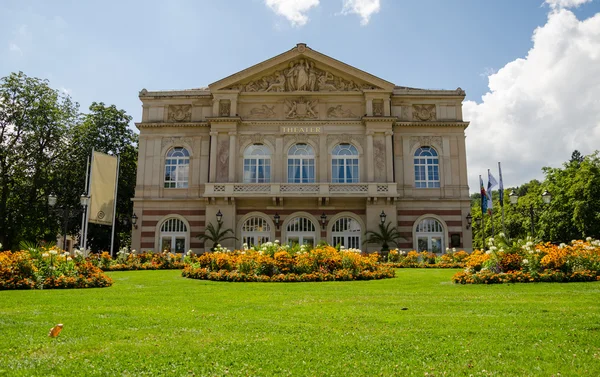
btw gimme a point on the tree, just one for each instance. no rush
(216, 234)
(387, 235)
(34, 123)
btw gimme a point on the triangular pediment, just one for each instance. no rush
(301, 69)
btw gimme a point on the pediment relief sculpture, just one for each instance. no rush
(424, 112)
(179, 113)
(301, 109)
(301, 76)
(339, 112)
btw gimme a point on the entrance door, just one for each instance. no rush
(302, 231)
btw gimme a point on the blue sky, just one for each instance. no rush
(107, 51)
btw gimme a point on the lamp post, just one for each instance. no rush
(276, 219)
(469, 220)
(66, 213)
(546, 198)
(323, 220)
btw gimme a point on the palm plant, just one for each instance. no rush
(386, 236)
(216, 234)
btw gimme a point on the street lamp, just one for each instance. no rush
(382, 217)
(546, 198)
(66, 213)
(219, 216)
(323, 219)
(276, 219)
(469, 220)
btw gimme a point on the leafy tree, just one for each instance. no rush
(34, 124)
(386, 236)
(216, 234)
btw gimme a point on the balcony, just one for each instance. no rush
(218, 190)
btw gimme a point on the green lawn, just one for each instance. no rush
(158, 323)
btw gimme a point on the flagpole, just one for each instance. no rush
(83, 213)
(501, 196)
(112, 237)
(87, 212)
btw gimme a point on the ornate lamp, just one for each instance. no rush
(382, 217)
(469, 220)
(276, 219)
(219, 216)
(323, 219)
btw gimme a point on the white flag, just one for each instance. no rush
(103, 188)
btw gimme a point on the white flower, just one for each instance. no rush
(454, 250)
(65, 253)
(488, 252)
(531, 251)
(53, 252)
(276, 241)
(525, 261)
(69, 259)
(447, 250)
(45, 255)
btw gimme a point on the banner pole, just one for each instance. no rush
(83, 213)
(112, 237)
(87, 211)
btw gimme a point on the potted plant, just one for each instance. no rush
(386, 236)
(216, 234)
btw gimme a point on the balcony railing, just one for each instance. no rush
(303, 189)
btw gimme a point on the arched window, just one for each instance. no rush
(255, 231)
(430, 236)
(427, 172)
(301, 164)
(257, 164)
(346, 232)
(344, 164)
(177, 166)
(302, 231)
(173, 236)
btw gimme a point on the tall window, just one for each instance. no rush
(346, 232)
(427, 168)
(301, 164)
(344, 164)
(173, 236)
(177, 166)
(302, 231)
(430, 236)
(255, 231)
(257, 164)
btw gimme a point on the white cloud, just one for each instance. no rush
(557, 4)
(294, 10)
(541, 107)
(363, 8)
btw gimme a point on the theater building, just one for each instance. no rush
(302, 148)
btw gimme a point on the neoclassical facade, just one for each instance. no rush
(302, 148)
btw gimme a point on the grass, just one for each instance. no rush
(158, 323)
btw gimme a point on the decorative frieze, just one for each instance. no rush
(223, 161)
(180, 113)
(224, 108)
(424, 112)
(379, 155)
(175, 141)
(263, 112)
(422, 141)
(377, 108)
(339, 112)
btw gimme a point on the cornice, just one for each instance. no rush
(224, 119)
(165, 124)
(370, 119)
(146, 94)
(292, 123)
(433, 124)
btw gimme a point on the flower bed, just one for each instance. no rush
(45, 269)
(424, 259)
(127, 261)
(277, 263)
(524, 262)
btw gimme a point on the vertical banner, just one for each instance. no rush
(103, 188)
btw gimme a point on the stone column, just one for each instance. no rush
(212, 163)
(369, 157)
(389, 157)
(232, 155)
